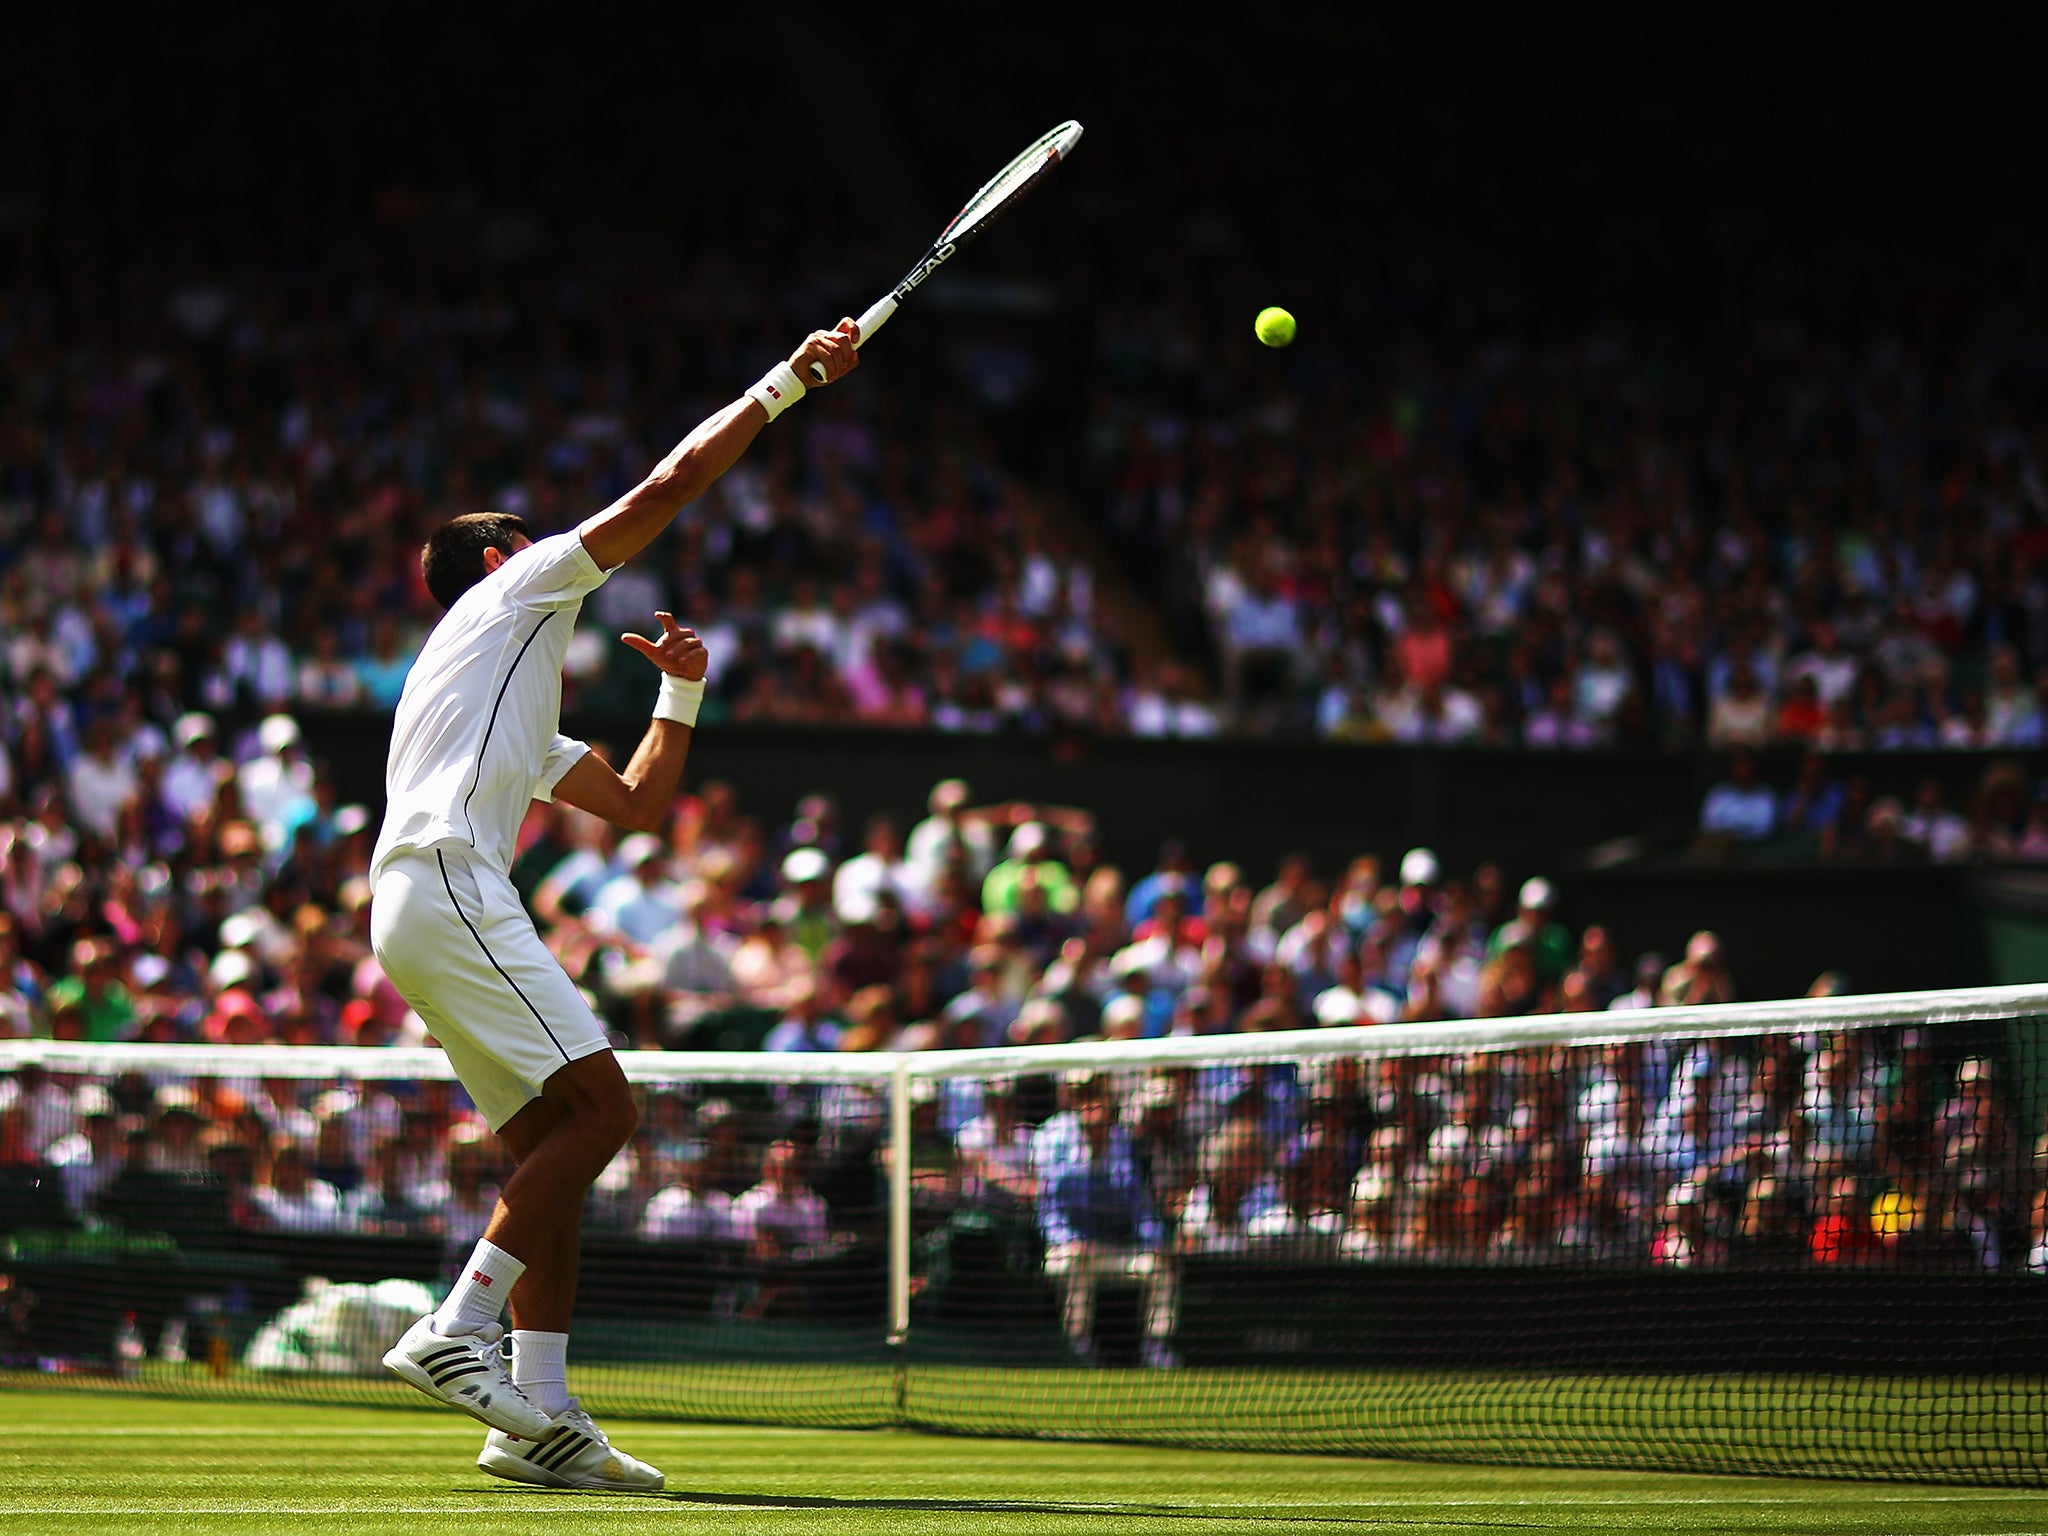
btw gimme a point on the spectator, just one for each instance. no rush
(880, 868)
(1740, 716)
(1739, 809)
(1098, 1221)
(1701, 977)
(806, 1026)
(287, 1198)
(691, 1209)
(781, 1215)
(94, 994)
(1224, 1210)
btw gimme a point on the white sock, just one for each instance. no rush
(540, 1367)
(480, 1294)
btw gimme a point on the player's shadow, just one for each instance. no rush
(1105, 1510)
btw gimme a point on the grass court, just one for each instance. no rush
(78, 1462)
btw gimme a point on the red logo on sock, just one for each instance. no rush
(479, 1277)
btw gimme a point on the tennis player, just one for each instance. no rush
(474, 743)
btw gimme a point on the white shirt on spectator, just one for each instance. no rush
(263, 665)
(190, 784)
(1834, 677)
(1271, 623)
(795, 1216)
(862, 879)
(816, 626)
(1733, 722)
(316, 1208)
(99, 788)
(48, 1113)
(642, 910)
(1944, 834)
(680, 1212)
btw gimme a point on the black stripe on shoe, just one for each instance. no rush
(441, 1378)
(561, 1450)
(428, 1360)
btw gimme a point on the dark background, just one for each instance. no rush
(1379, 172)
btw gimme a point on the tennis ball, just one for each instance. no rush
(1275, 327)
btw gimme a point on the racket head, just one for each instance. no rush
(1012, 182)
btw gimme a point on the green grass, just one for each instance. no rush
(1968, 1429)
(107, 1462)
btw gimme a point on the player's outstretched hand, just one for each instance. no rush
(678, 650)
(834, 350)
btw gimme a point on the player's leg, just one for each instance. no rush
(545, 1297)
(464, 955)
(544, 1300)
(575, 1453)
(594, 1116)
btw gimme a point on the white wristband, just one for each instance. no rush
(679, 698)
(778, 390)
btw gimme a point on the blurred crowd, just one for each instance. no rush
(215, 475)
(1834, 538)
(201, 890)
(214, 489)
(1822, 814)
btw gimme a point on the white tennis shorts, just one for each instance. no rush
(452, 935)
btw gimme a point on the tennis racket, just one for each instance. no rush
(1000, 192)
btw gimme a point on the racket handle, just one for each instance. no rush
(877, 316)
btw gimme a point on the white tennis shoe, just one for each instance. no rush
(466, 1371)
(574, 1453)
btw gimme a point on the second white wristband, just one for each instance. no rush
(679, 699)
(778, 390)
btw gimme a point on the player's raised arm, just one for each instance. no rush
(633, 522)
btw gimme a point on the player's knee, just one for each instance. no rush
(614, 1117)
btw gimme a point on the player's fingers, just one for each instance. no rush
(668, 621)
(643, 645)
(851, 327)
(840, 356)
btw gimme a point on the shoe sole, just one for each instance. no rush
(514, 1469)
(409, 1373)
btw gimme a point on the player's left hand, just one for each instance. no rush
(678, 651)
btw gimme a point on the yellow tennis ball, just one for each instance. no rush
(1275, 327)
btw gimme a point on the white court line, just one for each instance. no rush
(427, 1427)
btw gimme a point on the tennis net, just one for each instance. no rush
(1805, 1238)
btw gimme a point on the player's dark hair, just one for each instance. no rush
(453, 560)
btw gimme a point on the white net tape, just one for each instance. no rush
(1368, 1041)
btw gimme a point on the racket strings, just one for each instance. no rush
(1012, 181)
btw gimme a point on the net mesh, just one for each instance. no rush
(1799, 1240)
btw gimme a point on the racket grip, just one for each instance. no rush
(877, 316)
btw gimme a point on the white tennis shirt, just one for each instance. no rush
(477, 737)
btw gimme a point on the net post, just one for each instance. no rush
(899, 1221)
